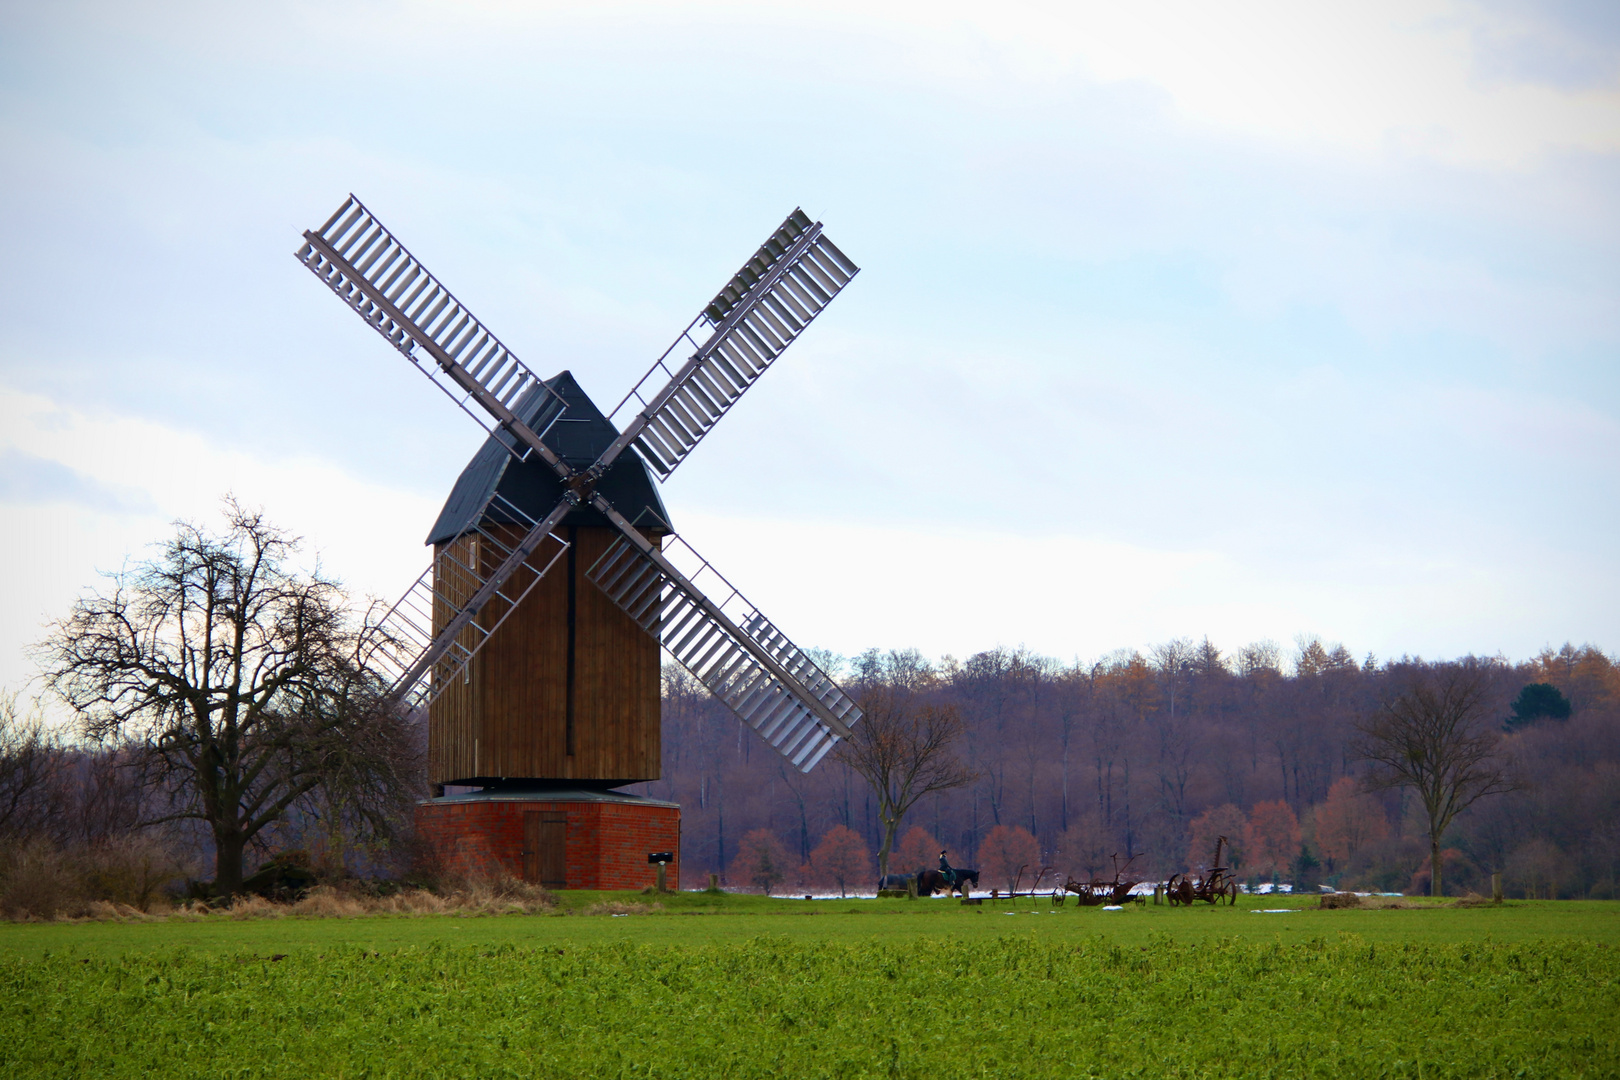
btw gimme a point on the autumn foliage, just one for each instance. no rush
(1346, 821)
(761, 862)
(841, 860)
(1224, 820)
(917, 850)
(1270, 838)
(1004, 850)
(1154, 754)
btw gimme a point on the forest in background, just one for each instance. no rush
(1150, 755)
(1153, 755)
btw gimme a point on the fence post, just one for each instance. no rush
(1158, 894)
(714, 882)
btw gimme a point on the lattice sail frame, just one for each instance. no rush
(764, 307)
(739, 654)
(671, 609)
(443, 596)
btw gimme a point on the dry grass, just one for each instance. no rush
(484, 896)
(469, 897)
(40, 881)
(622, 907)
(1395, 903)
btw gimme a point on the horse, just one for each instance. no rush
(900, 882)
(931, 881)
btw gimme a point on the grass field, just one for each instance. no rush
(745, 986)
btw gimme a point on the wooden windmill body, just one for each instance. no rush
(534, 638)
(568, 691)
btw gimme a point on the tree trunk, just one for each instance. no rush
(1434, 866)
(1065, 785)
(228, 848)
(889, 829)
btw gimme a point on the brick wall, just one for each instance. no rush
(607, 842)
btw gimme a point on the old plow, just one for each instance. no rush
(1210, 888)
(1097, 891)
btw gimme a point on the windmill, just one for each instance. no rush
(533, 638)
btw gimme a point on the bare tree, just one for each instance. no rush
(29, 761)
(242, 685)
(1435, 737)
(904, 748)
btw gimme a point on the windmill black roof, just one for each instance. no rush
(578, 436)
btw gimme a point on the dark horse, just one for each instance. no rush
(931, 881)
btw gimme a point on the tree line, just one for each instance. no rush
(1152, 755)
(228, 704)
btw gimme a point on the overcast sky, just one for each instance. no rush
(1243, 320)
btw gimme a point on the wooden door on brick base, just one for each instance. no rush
(545, 848)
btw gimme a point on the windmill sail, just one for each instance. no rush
(746, 662)
(761, 310)
(487, 571)
(371, 271)
(393, 292)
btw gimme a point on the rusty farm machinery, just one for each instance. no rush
(1211, 888)
(1098, 892)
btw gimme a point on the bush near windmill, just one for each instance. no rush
(1348, 820)
(1224, 820)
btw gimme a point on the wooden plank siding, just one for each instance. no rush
(507, 716)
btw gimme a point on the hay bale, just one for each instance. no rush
(1341, 900)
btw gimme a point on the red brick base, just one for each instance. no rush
(608, 837)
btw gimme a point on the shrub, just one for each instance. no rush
(1270, 838)
(1004, 850)
(41, 880)
(761, 861)
(1224, 820)
(841, 858)
(917, 850)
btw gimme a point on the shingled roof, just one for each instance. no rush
(578, 436)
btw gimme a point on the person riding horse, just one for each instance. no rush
(947, 871)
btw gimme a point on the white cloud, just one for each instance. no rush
(1245, 317)
(851, 587)
(1427, 78)
(91, 491)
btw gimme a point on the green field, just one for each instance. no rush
(744, 986)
